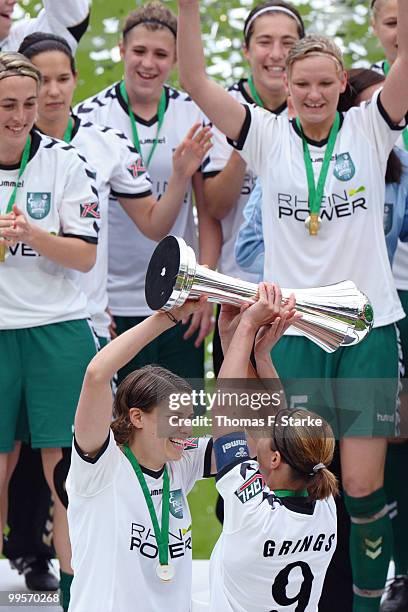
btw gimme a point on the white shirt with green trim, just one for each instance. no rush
(129, 249)
(350, 243)
(117, 166)
(273, 553)
(57, 193)
(66, 19)
(114, 549)
(216, 161)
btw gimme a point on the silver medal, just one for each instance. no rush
(165, 572)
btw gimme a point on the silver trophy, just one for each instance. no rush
(333, 316)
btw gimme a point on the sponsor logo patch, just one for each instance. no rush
(136, 169)
(90, 211)
(38, 204)
(176, 503)
(344, 168)
(250, 488)
(190, 443)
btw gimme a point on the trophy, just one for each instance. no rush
(333, 315)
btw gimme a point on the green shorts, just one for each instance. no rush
(41, 378)
(169, 350)
(355, 389)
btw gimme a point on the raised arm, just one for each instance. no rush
(94, 412)
(394, 96)
(225, 112)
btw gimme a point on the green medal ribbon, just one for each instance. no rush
(255, 95)
(162, 534)
(161, 109)
(386, 68)
(68, 131)
(287, 493)
(316, 193)
(23, 164)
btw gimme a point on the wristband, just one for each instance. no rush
(171, 317)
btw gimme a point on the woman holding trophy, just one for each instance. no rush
(323, 181)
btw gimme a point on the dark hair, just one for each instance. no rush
(144, 388)
(154, 16)
(248, 31)
(359, 79)
(308, 450)
(41, 42)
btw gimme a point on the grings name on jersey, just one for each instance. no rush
(250, 488)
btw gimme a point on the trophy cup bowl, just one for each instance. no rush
(333, 315)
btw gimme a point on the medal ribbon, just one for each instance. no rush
(162, 534)
(68, 131)
(254, 93)
(316, 193)
(386, 68)
(161, 109)
(23, 164)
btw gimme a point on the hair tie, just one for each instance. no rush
(272, 9)
(316, 468)
(151, 21)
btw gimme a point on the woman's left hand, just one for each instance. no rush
(191, 152)
(20, 231)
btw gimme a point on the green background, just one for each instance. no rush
(99, 66)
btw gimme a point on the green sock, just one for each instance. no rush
(370, 548)
(397, 495)
(65, 588)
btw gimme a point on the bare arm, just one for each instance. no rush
(394, 96)
(156, 217)
(94, 412)
(66, 251)
(225, 112)
(223, 190)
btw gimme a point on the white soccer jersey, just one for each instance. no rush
(215, 163)
(57, 193)
(117, 166)
(114, 550)
(66, 19)
(351, 242)
(129, 249)
(273, 553)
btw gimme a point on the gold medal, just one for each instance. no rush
(165, 572)
(3, 250)
(313, 223)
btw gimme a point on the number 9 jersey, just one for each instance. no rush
(273, 552)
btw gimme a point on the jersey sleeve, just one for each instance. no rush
(67, 19)
(79, 209)
(218, 156)
(259, 134)
(129, 178)
(242, 488)
(372, 119)
(88, 476)
(195, 464)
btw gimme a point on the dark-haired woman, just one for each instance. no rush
(155, 117)
(270, 29)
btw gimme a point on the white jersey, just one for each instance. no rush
(66, 19)
(215, 163)
(129, 249)
(351, 242)
(400, 262)
(114, 549)
(116, 163)
(56, 193)
(273, 553)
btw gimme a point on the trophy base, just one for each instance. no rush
(162, 273)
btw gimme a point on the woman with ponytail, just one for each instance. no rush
(279, 531)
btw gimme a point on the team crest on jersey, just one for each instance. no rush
(176, 503)
(137, 168)
(38, 204)
(388, 217)
(344, 168)
(190, 443)
(250, 488)
(90, 211)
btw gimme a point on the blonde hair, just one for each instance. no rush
(312, 45)
(15, 64)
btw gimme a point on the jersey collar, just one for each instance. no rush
(35, 144)
(247, 97)
(315, 143)
(149, 122)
